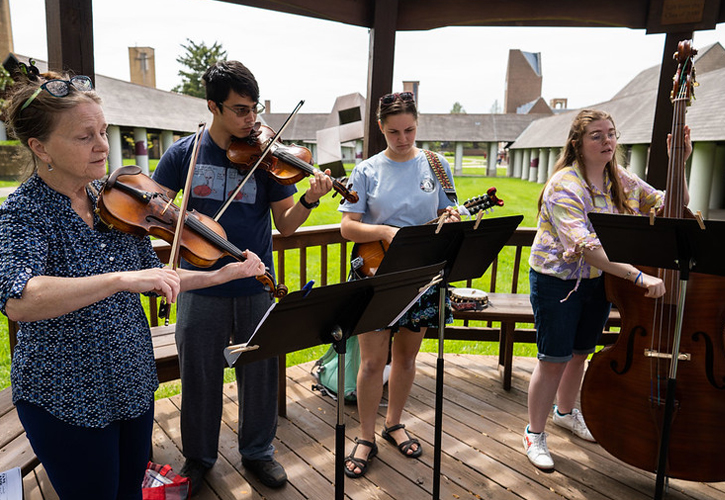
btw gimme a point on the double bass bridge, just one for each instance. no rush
(651, 353)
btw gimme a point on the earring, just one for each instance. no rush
(50, 167)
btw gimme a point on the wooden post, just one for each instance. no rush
(69, 25)
(381, 56)
(658, 160)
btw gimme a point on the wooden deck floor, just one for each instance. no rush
(482, 454)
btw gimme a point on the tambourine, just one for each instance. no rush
(468, 299)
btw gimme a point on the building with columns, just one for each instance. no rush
(136, 112)
(536, 149)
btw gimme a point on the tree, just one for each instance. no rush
(458, 109)
(197, 59)
(495, 107)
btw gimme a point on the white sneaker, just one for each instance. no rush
(536, 450)
(573, 421)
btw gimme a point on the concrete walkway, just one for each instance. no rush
(4, 192)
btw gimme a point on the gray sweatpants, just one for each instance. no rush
(205, 326)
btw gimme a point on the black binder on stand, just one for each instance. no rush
(686, 245)
(332, 314)
(468, 248)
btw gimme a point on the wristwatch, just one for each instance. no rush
(309, 206)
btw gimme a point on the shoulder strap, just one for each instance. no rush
(437, 167)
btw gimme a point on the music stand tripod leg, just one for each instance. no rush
(438, 430)
(661, 478)
(340, 346)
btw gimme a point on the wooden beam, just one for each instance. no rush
(69, 25)
(658, 159)
(354, 12)
(381, 57)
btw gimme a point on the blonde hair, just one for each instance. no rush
(572, 153)
(27, 117)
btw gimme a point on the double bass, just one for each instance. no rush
(628, 395)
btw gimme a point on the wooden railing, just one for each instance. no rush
(328, 240)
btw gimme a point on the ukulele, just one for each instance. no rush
(366, 257)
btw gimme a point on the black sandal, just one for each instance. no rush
(405, 446)
(360, 463)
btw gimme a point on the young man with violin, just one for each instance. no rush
(208, 321)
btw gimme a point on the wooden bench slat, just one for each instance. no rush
(18, 453)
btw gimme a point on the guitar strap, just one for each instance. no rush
(437, 167)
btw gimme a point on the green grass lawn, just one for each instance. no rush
(519, 198)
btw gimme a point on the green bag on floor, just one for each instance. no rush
(325, 371)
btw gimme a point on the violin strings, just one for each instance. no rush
(213, 237)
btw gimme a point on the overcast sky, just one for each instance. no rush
(296, 58)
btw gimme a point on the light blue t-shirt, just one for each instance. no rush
(397, 194)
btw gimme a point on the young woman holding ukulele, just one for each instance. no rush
(396, 188)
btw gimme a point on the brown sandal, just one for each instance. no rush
(360, 463)
(405, 446)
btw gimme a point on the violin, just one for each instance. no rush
(134, 203)
(287, 164)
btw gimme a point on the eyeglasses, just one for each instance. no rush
(242, 111)
(61, 88)
(600, 137)
(389, 99)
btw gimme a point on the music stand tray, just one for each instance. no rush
(467, 247)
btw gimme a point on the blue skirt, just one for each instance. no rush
(424, 312)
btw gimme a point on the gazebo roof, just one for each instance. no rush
(430, 14)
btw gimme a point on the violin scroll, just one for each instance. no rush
(345, 190)
(277, 291)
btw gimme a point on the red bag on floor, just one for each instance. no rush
(162, 483)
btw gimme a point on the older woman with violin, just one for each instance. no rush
(209, 319)
(83, 372)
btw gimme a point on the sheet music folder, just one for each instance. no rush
(666, 243)
(307, 319)
(467, 251)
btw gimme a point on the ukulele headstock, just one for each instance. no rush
(484, 202)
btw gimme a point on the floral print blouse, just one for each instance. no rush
(564, 229)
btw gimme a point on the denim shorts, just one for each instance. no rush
(570, 327)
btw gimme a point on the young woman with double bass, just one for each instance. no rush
(627, 386)
(567, 263)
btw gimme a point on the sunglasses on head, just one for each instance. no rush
(388, 99)
(61, 88)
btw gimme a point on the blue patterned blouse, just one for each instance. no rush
(94, 365)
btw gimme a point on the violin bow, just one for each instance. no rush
(176, 244)
(266, 150)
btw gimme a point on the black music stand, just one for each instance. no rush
(332, 314)
(468, 248)
(680, 244)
